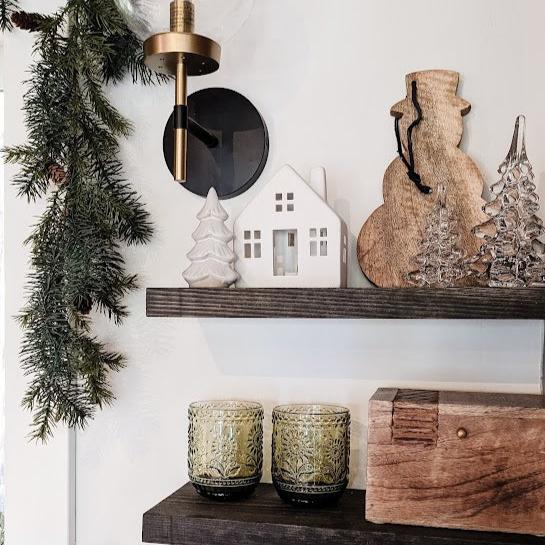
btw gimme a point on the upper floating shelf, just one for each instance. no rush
(370, 303)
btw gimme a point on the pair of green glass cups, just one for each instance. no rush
(310, 450)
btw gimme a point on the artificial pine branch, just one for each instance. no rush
(7, 8)
(71, 159)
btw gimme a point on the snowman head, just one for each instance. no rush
(442, 109)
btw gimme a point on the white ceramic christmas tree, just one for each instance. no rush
(211, 258)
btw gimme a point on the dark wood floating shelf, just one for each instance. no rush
(185, 518)
(455, 303)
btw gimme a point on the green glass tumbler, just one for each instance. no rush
(225, 455)
(310, 453)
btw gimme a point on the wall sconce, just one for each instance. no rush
(182, 53)
(215, 137)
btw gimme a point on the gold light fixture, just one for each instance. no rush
(181, 53)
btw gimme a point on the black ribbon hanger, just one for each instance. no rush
(409, 163)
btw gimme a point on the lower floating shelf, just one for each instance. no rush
(454, 303)
(185, 518)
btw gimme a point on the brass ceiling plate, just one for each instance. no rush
(201, 55)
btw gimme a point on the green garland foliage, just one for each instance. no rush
(71, 159)
(7, 8)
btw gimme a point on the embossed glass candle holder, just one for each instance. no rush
(310, 452)
(225, 448)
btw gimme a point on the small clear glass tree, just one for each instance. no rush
(211, 258)
(512, 253)
(441, 263)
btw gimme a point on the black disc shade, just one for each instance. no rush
(228, 143)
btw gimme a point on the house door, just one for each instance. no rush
(285, 261)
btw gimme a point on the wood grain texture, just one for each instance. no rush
(493, 479)
(188, 519)
(492, 404)
(391, 237)
(415, 417)
(460, 303)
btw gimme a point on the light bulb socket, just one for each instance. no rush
(182, 16)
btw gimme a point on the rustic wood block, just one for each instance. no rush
(468, 461)
(188, 519)
(464, 303)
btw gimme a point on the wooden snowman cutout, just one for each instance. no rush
(430, 128)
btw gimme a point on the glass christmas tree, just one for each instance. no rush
(441, 263)
(512, 254)
(211, 258)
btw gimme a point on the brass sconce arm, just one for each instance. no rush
(182, 53)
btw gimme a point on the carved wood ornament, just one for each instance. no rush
(391, 237)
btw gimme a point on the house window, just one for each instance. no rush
(318, 241)
(323, 247)
(252, 244)
(284, 201)
(285, 259)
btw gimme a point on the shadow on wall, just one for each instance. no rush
(337, 349)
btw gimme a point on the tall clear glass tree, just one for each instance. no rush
(512, 252)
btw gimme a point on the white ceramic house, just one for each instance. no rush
(289, 237)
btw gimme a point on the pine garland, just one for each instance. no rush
(7, 8)
(71, 159)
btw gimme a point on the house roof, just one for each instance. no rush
(287, 177)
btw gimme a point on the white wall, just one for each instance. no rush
(37, 477)
(324, 75)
